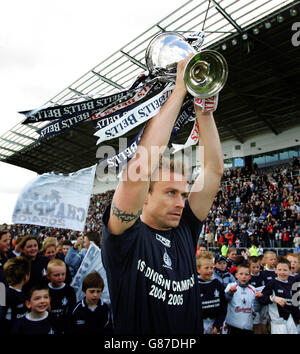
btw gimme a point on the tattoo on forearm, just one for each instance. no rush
(123, 215)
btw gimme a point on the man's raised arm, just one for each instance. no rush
(207, 183)
(131, 193)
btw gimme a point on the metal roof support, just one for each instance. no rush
(134, 61)
(32, 127)
(206, 13)
(275, 64)
(228, 17)
(12, 142)
(234, 133)
(253, 109)
(5, 148)
(79, 93)
(108, 81)
(162, 29)
(24, 136)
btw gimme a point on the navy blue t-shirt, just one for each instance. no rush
(152, 277)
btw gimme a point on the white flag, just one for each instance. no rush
(56, 200)
(92, 261)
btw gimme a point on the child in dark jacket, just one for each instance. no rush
(220, 271)
(17, 273)
(277, 294)
(62, 295)
(91, 314)
(213, 302)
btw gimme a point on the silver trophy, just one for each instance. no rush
(205, 73)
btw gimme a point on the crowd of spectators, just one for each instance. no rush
(253, 206)
(256, 206)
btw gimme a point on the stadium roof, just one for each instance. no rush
(260, 95)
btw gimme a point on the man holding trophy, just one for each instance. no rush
(150, 230)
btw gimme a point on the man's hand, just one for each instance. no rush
(180, 85)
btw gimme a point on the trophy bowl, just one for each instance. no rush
(205, 73)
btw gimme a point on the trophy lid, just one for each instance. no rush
(165, 49)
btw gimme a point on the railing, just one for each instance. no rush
(282, 251)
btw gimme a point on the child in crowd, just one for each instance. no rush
(91, 315)
(59, 251)
(294, 260)
(66, 244)
(49, 250)
(30, 249)
(269, 261)
(62, 295)
(38, 320)
(277, 294)
(213, 302)
(241, 302)
(260, 259)
(220, 271)
(17, 273)
(201, 248)
(260, 319)
(231, 259)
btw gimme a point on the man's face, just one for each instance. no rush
(86, 242)
(5, 242)
(165, 203)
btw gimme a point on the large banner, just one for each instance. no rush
(92, 261)
(133, 118)
(56, 200)
(70, 110)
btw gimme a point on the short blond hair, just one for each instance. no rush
(166, 163)
(55, 263)
(49, 242)
(269, 253)
(206, 255)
